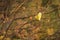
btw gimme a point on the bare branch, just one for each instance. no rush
(18, 7)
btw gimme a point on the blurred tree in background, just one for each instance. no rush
(17, 20)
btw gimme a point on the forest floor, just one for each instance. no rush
(21, 24)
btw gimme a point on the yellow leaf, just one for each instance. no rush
(38, 16)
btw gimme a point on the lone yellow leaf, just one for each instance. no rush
(38, 16)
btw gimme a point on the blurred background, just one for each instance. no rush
(17, 20)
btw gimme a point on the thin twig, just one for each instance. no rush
(18, 7)
(53, 10)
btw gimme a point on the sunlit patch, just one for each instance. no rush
(50, 31)
(1, 37)
(38, 16)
